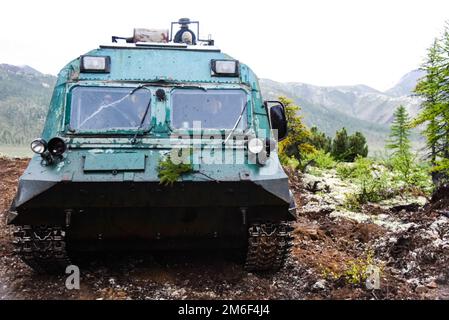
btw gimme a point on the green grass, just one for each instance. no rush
(15, 151)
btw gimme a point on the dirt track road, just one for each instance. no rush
(195, 275)
(322, 243)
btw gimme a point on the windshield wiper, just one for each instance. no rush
(134, 139)
(236, 124)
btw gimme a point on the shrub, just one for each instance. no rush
(315, 172)
(319, 159)
(414, 176)
(297, 142)
(345, 171)
(420, 178)
(324, 160)
(356, 271)
(290, 162)
(372, 181)
(352, 202)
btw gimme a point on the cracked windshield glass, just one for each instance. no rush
(98, 108)
(214, 109)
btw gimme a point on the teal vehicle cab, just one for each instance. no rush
(156, 141)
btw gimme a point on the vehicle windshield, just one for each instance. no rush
(108, 108)
(212, 109)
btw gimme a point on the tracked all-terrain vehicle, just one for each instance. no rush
(122, 112)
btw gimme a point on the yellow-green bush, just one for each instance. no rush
(352, 202)
(319, 159)
(372, 181)
(356, 271)
(345, 170)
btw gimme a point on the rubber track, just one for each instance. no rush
(268, 246)
(43, 248)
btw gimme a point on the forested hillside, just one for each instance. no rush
(24, 97)
(358, 107)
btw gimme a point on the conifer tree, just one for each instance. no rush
(340, 144)
(434, 114)
(348, 147)
(320, 140)
(357, 146)
(399, 143)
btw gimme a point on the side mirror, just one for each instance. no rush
(278, 118)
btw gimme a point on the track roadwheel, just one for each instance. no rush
(43, 248)
(268, 246)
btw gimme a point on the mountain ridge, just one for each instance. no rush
(359, 101)
(358, 107)
(25, 95)
(24, 98)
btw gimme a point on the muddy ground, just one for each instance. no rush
(409, 248)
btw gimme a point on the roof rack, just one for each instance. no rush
(184, 36)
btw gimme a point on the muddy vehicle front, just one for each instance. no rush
(155, 143)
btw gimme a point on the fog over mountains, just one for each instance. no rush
(25, 94)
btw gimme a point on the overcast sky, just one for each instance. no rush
(322, 42)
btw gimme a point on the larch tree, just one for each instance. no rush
(296, 144)
(434, 114)
(399, 143)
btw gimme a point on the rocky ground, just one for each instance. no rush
(334, 249)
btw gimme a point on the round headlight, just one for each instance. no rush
(255, 145)
(39, 146)
(57, 146)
